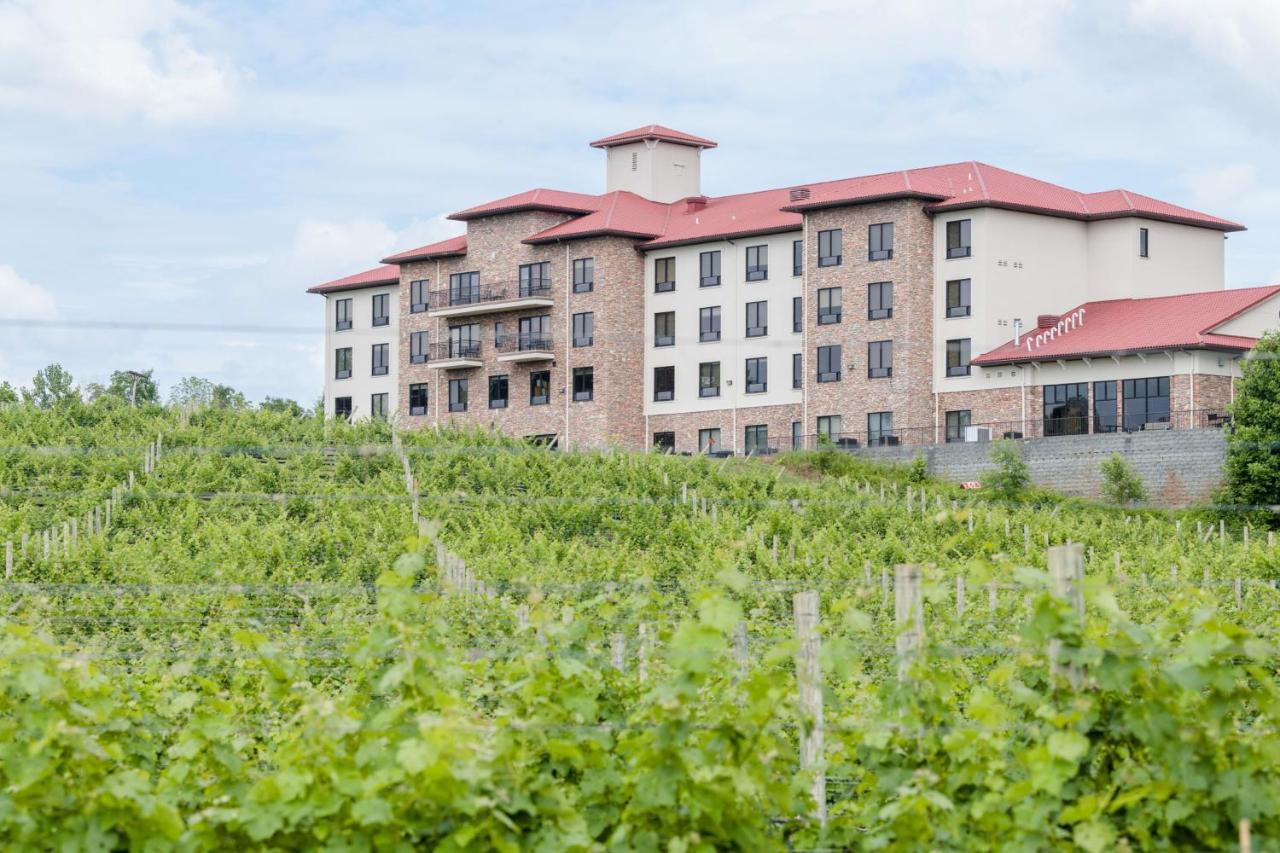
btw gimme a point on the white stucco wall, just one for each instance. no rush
(361, 337)
(662, 171)
(1182, 259)
(1261, 318)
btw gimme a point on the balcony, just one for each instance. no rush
(454, 355)
(490, 298)
(526, 346)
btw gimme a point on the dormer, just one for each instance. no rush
(654, 162)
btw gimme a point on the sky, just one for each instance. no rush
(169, 162)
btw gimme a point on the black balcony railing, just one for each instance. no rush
(479, 294)
(450, 350)
(523, 342)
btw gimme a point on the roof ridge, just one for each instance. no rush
(1128, 201)
(977, 169)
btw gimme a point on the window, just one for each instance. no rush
(381, 359)
(464, 288)
(1104, 406)
(539, 387)
(457, 395)
(584, 329)
(709, 379)
(499, 333)
(829, 428)
(584, 275)
(342, 315)
(757, 375)
(664, 329)
(709, 440)
(958, 357)
(709, 269)
(584, 384)
(342, 363)
(419, 296)
(797, 257)
(830, 247)
(464, 341)
(709, 324)
(381, 309)
(664, 275)
(535, 279)
(664, 383)
(797, 314)
(957, 421)
(757, 263)
(797, 370)
(829, 363)
(498, 391)
(757, 319)
(535, 333)
(880, 300)
(1145, 401)
(1144, 243)
(880, 428)
(797, 435)
(664, 442)
(1066, 409)
(342, 407)
(879, 359)
(417, 347)
(958, 301)
(378, 406)
(829, 305)
(880, 242)
(959, 244)
(756, 439)
(418, 398)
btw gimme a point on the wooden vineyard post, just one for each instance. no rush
(1066, 574)
(866, 571)
(1026, 539)
(993, 597)
(908, 616)
(8, 559)
(960, 596)
(642, 653)
(741, 653)
(809, 681)
(884, 588)
(1246, 841)
(1239, 590)
(618, 651)
(522, 617)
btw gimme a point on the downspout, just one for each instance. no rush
(1022, 375)
(568, 333)
(805, 307)
(1191, 378)
(438, 380)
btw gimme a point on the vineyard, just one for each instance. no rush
(245, 630)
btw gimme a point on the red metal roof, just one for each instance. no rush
(1128, 325)
(443, 249)
(389, 274)
(539, 199)
(654, 131)
(621, 212)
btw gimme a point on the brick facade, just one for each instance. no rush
(732, 424)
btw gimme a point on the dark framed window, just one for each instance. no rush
(829, 363)
(797, 257)
(830, 305)
(1145, 401)
(458, 395)
(830, 247)
(797, 435)
(342, 315)
(756, 439)
(342, 407)
(535, 333)
(797, 314)
(664, 442)
(381, 359)
(419, 295)
(584, 329)
(664, 383)
(418, 398)
(378, 406)
(880, 241)
(664, 275)
(1104, 406)
(464, 288)
(880, 300)
(958, 357)
(709, 269)
(1144, 243)
(957, 422)
(342, 363)
(464, 341)
(797, 370)
(757, 375)
(539, 387)
(584, 275)
(880, 428)
(959, 238)
(1066, 409)
(757, 263)
(879, 359)
(959, 302)
(499, 333)
(709, 323)
(664, 329)
(584, 384)
(535, 279)
(830, 428)
(418, 347)
(709, 379)
(709, 440)
(381, 309)
(499, 391)
(757, 319)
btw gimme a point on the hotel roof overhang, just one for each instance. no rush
(1022, 358)
(1225, 226)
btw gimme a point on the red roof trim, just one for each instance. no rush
(369, 278)
(654, 131)
(731, 235)
(1211, 223)
(555, 201)
(865, 199)
(445, 248)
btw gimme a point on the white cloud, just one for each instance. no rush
(1244, 34)
(324, 250)
(111, 59)
(22, 300)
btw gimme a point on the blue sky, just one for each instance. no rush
(202, 162)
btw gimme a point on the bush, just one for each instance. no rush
(1011, 476)
(1253, 446)
(919, 470)
(1120, 483)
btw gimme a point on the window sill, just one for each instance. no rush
(418, 412)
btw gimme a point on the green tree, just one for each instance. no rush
(1011, 477)
(1120, 483)
(51, 387)
(135, 388)
(282, 405)
(1253, 445)
(202, 393)
(226, 397)
(8, 394)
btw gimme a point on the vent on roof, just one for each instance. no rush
(1045, 321)
(800, 194)
(694, 203)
